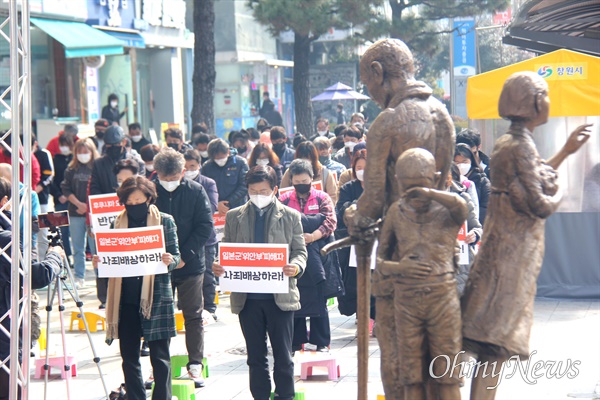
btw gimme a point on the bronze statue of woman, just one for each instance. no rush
(497, 307)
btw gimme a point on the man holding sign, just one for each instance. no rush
(264, 220)
(141, 304)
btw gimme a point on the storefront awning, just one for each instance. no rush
(573, 80)
(128, 39)
(79, 39)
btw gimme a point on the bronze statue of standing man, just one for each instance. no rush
(498, 302)
(411, 118)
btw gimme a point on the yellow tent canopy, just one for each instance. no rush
(573, 79)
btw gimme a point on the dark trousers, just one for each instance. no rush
(130, 334)
(320, 331)
(258, 318)
(101, 287)
(190, 302)
(209, 286)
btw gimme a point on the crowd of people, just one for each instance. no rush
(180, 186)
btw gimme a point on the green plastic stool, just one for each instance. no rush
(299, 395)
(180, 361)
(182, 389)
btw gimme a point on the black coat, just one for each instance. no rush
(322, 278)
(190, 207)
(103, 179)
(230, 180)
(61, 163)
(483, 187)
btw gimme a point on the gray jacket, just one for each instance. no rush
(283, 226)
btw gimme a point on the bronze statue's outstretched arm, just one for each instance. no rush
(453, 202)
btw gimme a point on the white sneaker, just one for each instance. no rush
(79, 283)
(148, 383)
(195, 374)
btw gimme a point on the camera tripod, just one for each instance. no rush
(59, 284)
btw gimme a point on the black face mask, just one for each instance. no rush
(242, 150)
(138, 212)
(114, 152)
(302, 188)
(100, 134)
(278, 147)
(174, 146)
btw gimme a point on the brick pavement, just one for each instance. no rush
(563, 330)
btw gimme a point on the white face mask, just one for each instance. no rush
(322, 133)
(64, 150)
(150, 167)
(136, 138)
(84, 158)
(191, 174)
(253, 142)
(114, 104)
(261, 201)
(169, 185)
(204, 154)
(360, 175)
(350, 146)
(221, 162)
(262, 161)
(464, 168)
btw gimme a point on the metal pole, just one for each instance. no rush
(27, 207)
(20, 112)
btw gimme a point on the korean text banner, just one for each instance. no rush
(131, 252)
(104, 208)
(219, 221)
(254, 268)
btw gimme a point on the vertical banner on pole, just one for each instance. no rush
(463, 61)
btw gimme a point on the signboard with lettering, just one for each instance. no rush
(254, 268)
(131, 252)
(464, 46)
(104, 208)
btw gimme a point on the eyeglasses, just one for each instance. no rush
(263, 192)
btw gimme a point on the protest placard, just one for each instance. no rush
(463, 255)
(254, 268)
(219, 221)
(354, 261)
(104, 208)
(131, 252)
(316, 185)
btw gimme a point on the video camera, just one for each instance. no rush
(52, 221)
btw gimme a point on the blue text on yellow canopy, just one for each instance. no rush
(573, 79)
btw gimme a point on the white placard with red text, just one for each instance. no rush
(219, 221)
(316, 185)
(254, 268)
(104, 208)
(131, 252)
(463, 255)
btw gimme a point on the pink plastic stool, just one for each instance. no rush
(333, 369)
(55, 362)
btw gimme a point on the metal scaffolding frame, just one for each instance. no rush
(16, 101)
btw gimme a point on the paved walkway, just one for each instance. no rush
(564, 331)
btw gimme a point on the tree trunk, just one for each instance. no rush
(303, 106)
(203, 80)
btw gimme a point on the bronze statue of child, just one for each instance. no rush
(416, 253)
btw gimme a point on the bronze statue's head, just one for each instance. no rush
(416, 168)
(524, 97)
(385, 60)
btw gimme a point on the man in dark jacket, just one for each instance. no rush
(188, 203)
(100, 127)
(192, 172)
(229, 172)
(280, 147)
(104, 181)
(137, 138)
